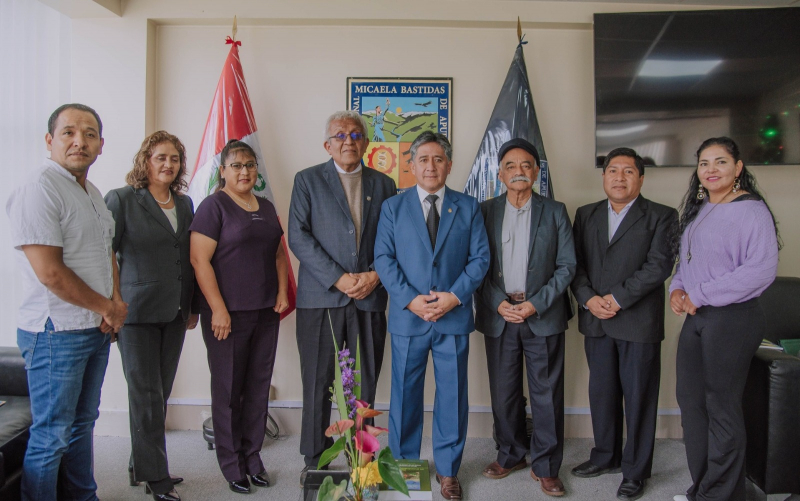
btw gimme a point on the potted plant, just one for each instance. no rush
(369, 465)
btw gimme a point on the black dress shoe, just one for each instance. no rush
(240, 486)
(588, 470)
(167, 496)
(176, 480)
(630, 489)
(133, 482)
(260, 479)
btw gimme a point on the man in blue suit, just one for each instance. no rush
(431, 253)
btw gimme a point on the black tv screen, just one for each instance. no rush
(666, 81)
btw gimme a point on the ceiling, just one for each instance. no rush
(726, 3)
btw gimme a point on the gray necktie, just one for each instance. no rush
(432, 222)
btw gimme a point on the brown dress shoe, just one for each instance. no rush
(551, 486)
(451, 489)
(496, 471)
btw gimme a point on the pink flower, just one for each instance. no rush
(375, 430)
(339, 427)
(366, 443)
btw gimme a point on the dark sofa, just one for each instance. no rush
(772, 396)
(15, 421)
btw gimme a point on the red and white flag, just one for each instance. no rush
(231, 117)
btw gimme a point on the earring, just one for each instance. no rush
(737, 185)
(701, 193)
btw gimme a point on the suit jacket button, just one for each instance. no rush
(433, 287)
(351, 232)
(354, 254)
(435, 264)
(178, 261)
(499, 273)
(176, 245)
(180, 277)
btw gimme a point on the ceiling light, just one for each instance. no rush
(665, 68)
(621, 132)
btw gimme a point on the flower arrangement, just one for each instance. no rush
(369, 464)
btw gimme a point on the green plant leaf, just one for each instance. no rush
(390, 472)
(338, 390)
(329, 491)
(331, 452)
(357, 377)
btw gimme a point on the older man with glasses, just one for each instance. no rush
(333, 219)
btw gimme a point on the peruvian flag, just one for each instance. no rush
(231, 117)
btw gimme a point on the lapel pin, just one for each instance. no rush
(449, 210)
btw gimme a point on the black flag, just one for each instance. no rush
(513, 117)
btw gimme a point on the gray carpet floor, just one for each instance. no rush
(190, 458)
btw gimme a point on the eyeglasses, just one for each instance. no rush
(356, 136)
(237, 167)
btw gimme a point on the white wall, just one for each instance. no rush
(157, 67)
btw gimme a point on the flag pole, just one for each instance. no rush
(234, 30)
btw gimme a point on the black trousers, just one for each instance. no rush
(150, 354)
(623, 370)
(544, 363)
(241, 373)
(714, 354)
(315, 335)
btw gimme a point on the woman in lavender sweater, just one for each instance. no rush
(727, 250)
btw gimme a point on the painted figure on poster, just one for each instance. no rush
(377, 122)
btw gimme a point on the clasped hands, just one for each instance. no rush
(603, 307)
(114, 317)
(516, 313)
(431, 307)
(680, 303)
(358, 285)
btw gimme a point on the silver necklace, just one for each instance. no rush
(241, 200)
(694, 227)
(169, 199)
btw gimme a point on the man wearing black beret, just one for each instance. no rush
(522, 309)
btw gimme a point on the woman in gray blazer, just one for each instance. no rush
(157, 281)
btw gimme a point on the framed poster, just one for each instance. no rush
(397, 110)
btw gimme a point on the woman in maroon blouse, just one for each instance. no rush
(242, 272)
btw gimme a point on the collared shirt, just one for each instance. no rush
(342, 171)
(516, 235)
(614, 219)
(52, 209)
(426, 206)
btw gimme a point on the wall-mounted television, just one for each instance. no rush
(666, 81)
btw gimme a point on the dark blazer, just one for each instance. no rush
(632, 267)
(408, 266)
(321, 235)
(551, 266)
(155, 275)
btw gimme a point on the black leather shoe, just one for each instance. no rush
(133, 482)
(240, 486)
(176, 480)
(588, 470)
(168, 496)
(630, 489)
(260, 479)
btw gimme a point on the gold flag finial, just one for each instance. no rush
(234, 29)
(519, 30)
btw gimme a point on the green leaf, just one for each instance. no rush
(390, 472)
(331, 452)
(338, 390)
(329, 491)
(357, 389)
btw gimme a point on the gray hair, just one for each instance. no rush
(430, 137)
(346, 115)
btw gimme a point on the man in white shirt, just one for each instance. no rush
(71, 307)
(431, 253)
